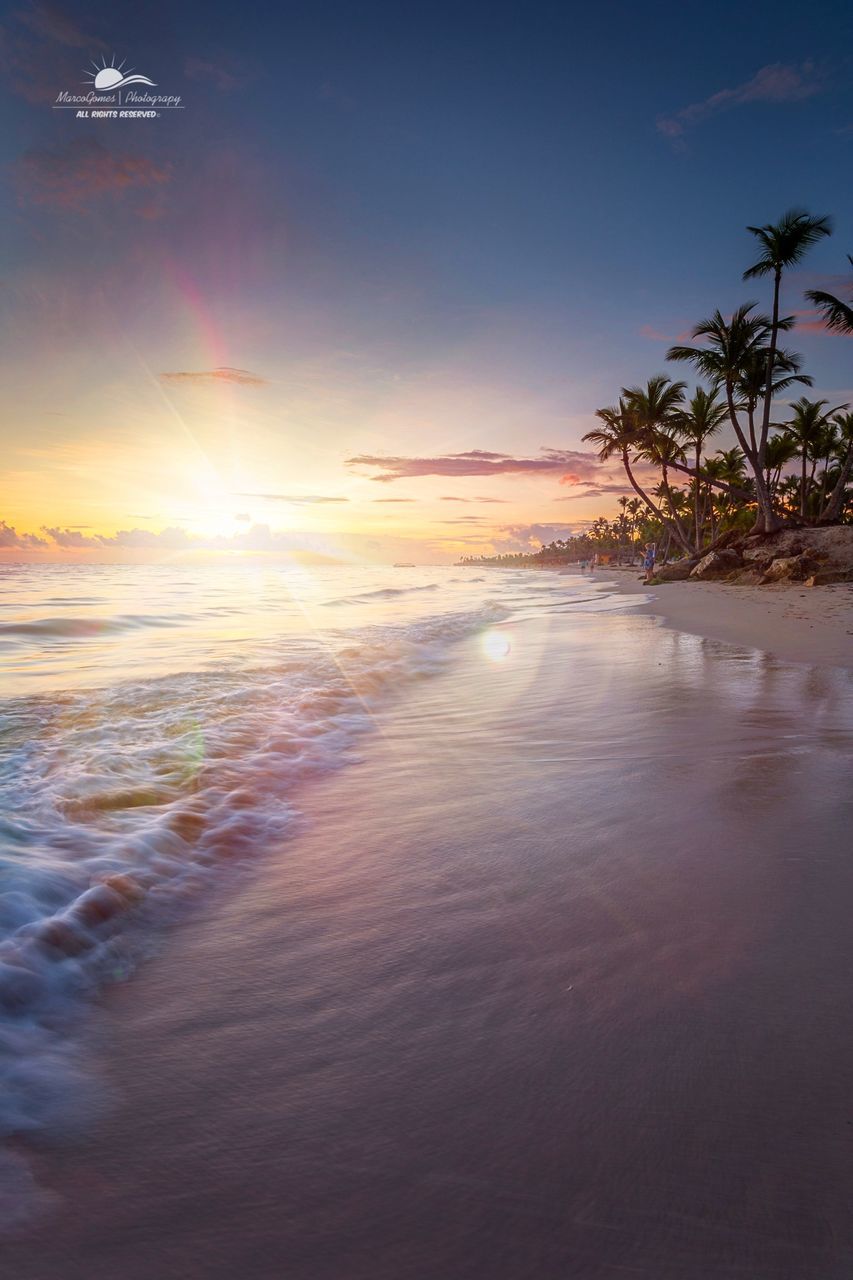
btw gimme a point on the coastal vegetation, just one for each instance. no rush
(793, 458)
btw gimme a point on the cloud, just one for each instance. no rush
(813, 322)
(452, 498)
(223, 77)
(204, 377)
(773, 83)
(393, 499)
(49, 21)
(524, 537)
(298, 500)
(171, 538)
(595, 491)
(9, 537)
(35, 47)
(82, 172)
(479, 462)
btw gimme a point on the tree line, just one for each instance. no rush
(794, 471)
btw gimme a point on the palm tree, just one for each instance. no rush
(783, 245)
(808, 427)
(619, 436)
(704, 415)
(781, 449)
(837, 314)
(835, 505)
(729, 350)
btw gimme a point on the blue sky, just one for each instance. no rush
(428, 229)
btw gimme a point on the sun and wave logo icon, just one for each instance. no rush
(108, 76)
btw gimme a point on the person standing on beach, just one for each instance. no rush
(649, 561)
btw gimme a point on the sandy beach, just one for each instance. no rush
(790, 621)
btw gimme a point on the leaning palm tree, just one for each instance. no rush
(837, 314)
(702, 417)
(783, 245)
(619, 436)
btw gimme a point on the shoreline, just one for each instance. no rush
(789, 621)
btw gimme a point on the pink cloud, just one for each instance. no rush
(773, 83)
(480, 462)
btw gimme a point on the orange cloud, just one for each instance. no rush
(205, 376)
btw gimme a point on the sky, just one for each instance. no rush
(359, 294)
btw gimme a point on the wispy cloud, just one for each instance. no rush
(82, 172)
(393, 499)
(570, 463)
(204, 377)
(296, 499)
(773, 83)
(453, 498)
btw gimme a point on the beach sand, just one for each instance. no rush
(790, 621)
(554, 985)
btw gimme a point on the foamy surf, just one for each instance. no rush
(121, 803)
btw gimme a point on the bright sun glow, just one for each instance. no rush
(496, 645)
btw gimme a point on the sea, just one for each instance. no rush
(444, 921)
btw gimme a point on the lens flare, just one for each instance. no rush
(496, 645)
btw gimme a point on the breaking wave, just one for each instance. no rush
(122, 802)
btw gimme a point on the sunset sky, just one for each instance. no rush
(362, 296)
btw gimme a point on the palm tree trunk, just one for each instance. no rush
(803, 486)
(696, 495)
(641, 493)
(834, 507)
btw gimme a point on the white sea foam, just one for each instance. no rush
(120, 802)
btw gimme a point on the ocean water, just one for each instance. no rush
(156, 727)
(472, 925)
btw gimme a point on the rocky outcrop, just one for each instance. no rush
(717, 564)
(791, 568)
(675, 572)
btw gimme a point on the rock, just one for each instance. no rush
(758, 557)
(717, 563)
(790, 568)
(826, 577)
(674, 572)
(748, 578)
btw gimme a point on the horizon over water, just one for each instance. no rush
(549, 985)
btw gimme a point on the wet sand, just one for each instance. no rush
(790, 621)
(554, 985)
